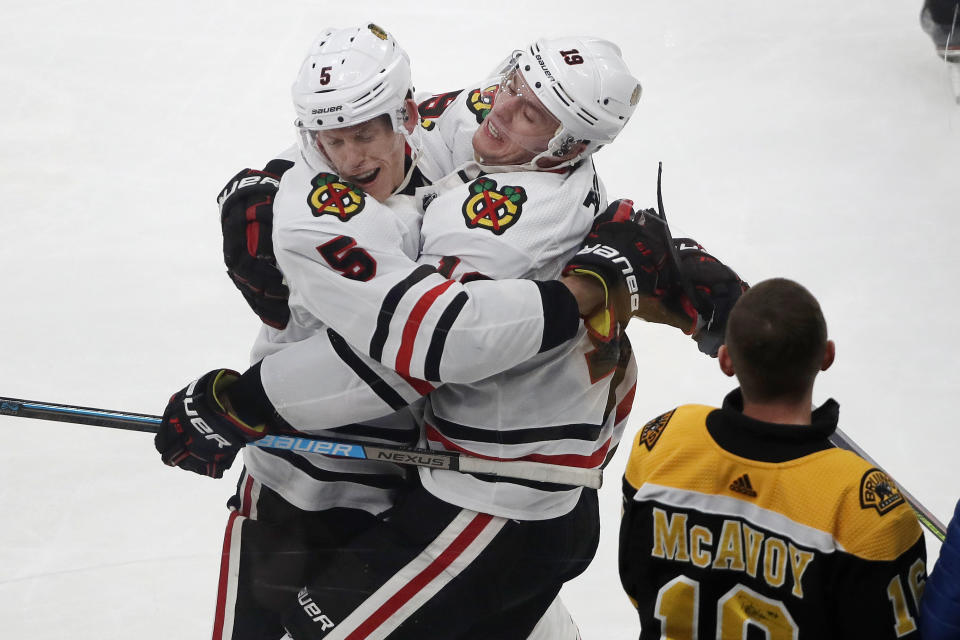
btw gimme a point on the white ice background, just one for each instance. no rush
(815, 140)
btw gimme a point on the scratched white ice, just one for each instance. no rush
(820, 143)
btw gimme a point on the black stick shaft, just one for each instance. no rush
(79, 415)
(537, 471)
(926, 517)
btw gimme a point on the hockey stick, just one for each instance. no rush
(519, 469)
(673, 256)
(707, 344)
(951, 55)
(839, 438)
(927, 519)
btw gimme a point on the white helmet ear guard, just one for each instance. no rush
(351, 76)
(586, 84)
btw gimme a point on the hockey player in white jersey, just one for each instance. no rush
(538, 247)
(316, 502)
(516, 543)
(519, 208)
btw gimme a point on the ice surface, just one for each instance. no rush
(818, 142)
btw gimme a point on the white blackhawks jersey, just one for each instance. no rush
(567, 406)
(357, 299)
(502, 400)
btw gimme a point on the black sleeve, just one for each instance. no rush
(561, 314)
(878, 599)
(249, 400)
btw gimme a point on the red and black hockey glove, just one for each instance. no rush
(246, 219)
(200, 431)
(716, 288)
(627, 256)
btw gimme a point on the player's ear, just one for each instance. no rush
(723, 359)
(410, 111)
(828, 355)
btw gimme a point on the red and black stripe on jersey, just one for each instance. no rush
(412, 324)
(376, 383)
(561, 320)
(595, 440)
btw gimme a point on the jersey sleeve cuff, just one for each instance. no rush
(249, 400)
(561, 315)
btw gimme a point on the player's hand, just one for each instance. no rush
(626, 256)
(246, 219)
(716, 288)
(199, 431)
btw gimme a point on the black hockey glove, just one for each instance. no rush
(246, 219)
(715, 289)
(627, 257)
(200, 431)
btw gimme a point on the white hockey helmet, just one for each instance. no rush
(351, 76)
(585, 83)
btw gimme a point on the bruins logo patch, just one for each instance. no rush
(333, 196)
(481, 100)
(652, 430)
(491, 207)
(878, 491)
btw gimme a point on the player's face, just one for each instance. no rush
(517, 128)
(369, 155)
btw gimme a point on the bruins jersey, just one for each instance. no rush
(735, 528)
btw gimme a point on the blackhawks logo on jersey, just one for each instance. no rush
(878, 491)
(335, 197)
(652, 431)
(491, 207)
(481, 100)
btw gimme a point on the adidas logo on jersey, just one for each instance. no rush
(742, 485)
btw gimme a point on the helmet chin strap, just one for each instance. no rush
(413, 142)
(532, 164)
(527, 166)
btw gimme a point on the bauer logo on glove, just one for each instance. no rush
(199, 423)
(251, 179)
(629, 278)
(627, 257)
(217, 433)
(246, 220)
